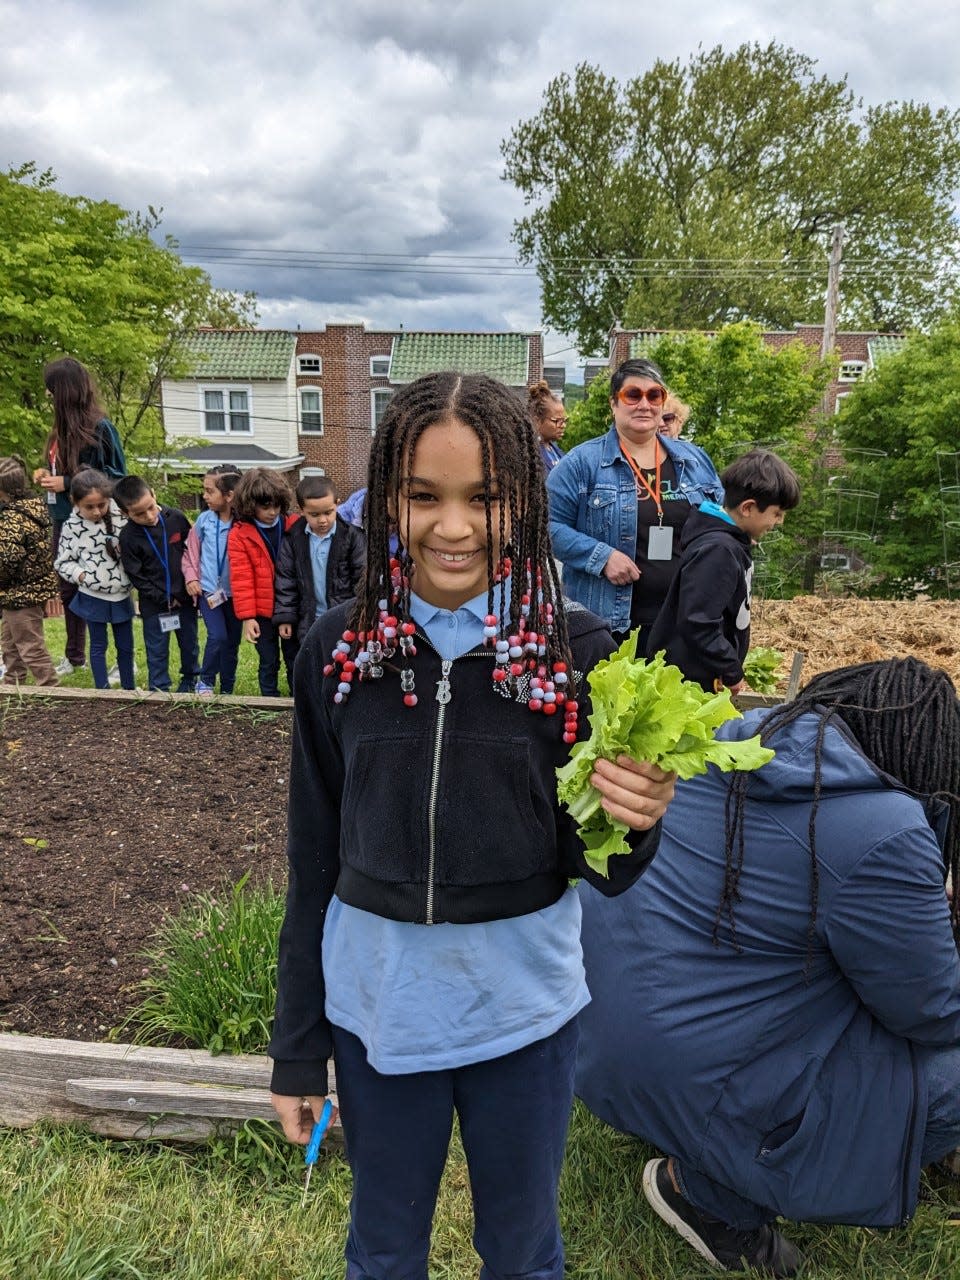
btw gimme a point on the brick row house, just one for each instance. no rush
(858, 351)
(307, 403)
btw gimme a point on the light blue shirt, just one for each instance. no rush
(319, 556)
(435, 997)
(214, 565)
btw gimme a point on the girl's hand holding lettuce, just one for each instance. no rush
(645, 710)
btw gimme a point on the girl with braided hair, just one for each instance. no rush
(779, 1012)
(431, 939)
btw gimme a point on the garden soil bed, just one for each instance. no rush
(112, 814)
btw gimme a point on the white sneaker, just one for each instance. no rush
(113, 675)
(3, 670)
(64, 667)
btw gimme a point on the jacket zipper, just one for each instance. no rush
(443, 697)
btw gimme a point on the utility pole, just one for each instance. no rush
(833, 293)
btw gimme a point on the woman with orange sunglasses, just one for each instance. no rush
(619, 502)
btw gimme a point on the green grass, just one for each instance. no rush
(55, 634)
(212, 973)
(78, 1207)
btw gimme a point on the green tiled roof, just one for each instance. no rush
(240, 353)
(499, 355)
(887, 344)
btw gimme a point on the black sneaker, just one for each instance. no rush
(764, 1248)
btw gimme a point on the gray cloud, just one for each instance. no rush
(372, 127)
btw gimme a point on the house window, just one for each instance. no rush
(379, 366)
(309, 364)
(378, 403)
(841, 396)
(311, 411)
(835, 560)
(852, 370)
(226, 409)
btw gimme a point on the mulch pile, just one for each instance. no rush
(834, 632)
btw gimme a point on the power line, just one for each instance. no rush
(498, 261)
(736, 269)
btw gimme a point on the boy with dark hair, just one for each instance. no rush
(704, 622)
(152, 543)
(320, 562)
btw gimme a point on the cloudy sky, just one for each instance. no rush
(367, 127)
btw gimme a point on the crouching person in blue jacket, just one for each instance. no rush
(776, 1005)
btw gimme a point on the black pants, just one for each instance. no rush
(269, 648)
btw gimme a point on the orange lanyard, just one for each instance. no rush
(642, 479)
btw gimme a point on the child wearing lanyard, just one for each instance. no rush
(152, 543)
(206, 568)
(261, 506)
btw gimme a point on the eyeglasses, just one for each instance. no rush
(634, 395)
(668, 418)
(558, 422)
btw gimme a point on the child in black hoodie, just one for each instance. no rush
(152, 543)
(321, 561)
(704, 623)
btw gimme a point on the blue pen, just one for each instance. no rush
(313, 1146)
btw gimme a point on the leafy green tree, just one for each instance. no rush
(699, 194)
(86, 278)
(743, 393)
(899, 434)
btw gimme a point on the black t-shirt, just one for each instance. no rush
(650, 590)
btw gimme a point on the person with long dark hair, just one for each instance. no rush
(82, 437)
(777, 1008)
(431, 938)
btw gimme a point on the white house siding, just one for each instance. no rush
(273, 412)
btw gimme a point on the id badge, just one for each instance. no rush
(216, 598)
(169, 622)
(660, 542)
(51, 497)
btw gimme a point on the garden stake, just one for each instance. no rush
(313, 1146)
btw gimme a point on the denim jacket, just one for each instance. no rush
(593, 511)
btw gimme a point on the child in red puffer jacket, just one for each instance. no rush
(261, 506)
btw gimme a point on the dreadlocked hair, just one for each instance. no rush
(515, 500)
(906, 718)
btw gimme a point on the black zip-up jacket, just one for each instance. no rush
(294, 595)
(442, 812)
(704, 622)
(144, 567)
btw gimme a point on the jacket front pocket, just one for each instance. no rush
(486, 830)
(383, 829)
(602, 514)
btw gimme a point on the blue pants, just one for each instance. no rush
(157, 644)
(224, 633)
(941, 1136)
(513, 1112)
(269, 647)
(122, 642)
